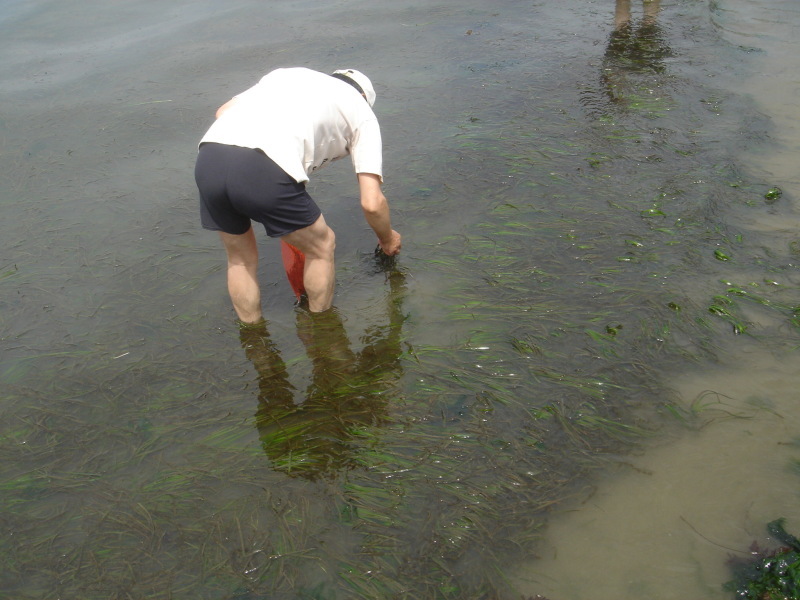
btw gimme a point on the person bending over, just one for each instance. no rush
(253, 164)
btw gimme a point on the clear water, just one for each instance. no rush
(585, 231)
(670, 518)
(665, 524)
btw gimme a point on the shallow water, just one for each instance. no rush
(670, 518)
(666, 522)
(558, 297)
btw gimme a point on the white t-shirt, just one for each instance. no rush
(302, 119)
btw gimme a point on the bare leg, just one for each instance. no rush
(651, 8)
(622, 13)
(318, 243)
(243, 287)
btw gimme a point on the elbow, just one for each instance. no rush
(374, 205)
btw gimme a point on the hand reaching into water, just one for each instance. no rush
(393, 245)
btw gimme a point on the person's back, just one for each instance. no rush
(302, 119)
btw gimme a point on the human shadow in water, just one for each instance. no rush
(634, 54)
(347, 397)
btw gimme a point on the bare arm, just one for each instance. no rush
(225, 107)
(376, 211)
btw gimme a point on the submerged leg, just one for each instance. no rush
(242, 252)
(318, 243)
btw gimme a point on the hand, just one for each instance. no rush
(392, 246)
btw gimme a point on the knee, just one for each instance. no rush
(322, 244)
(328, 242)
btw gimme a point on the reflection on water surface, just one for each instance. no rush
(347, 397)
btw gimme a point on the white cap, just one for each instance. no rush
(363, 82)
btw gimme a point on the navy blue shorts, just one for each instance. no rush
(239, 184)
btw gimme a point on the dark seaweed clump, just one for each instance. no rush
(768, 574)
